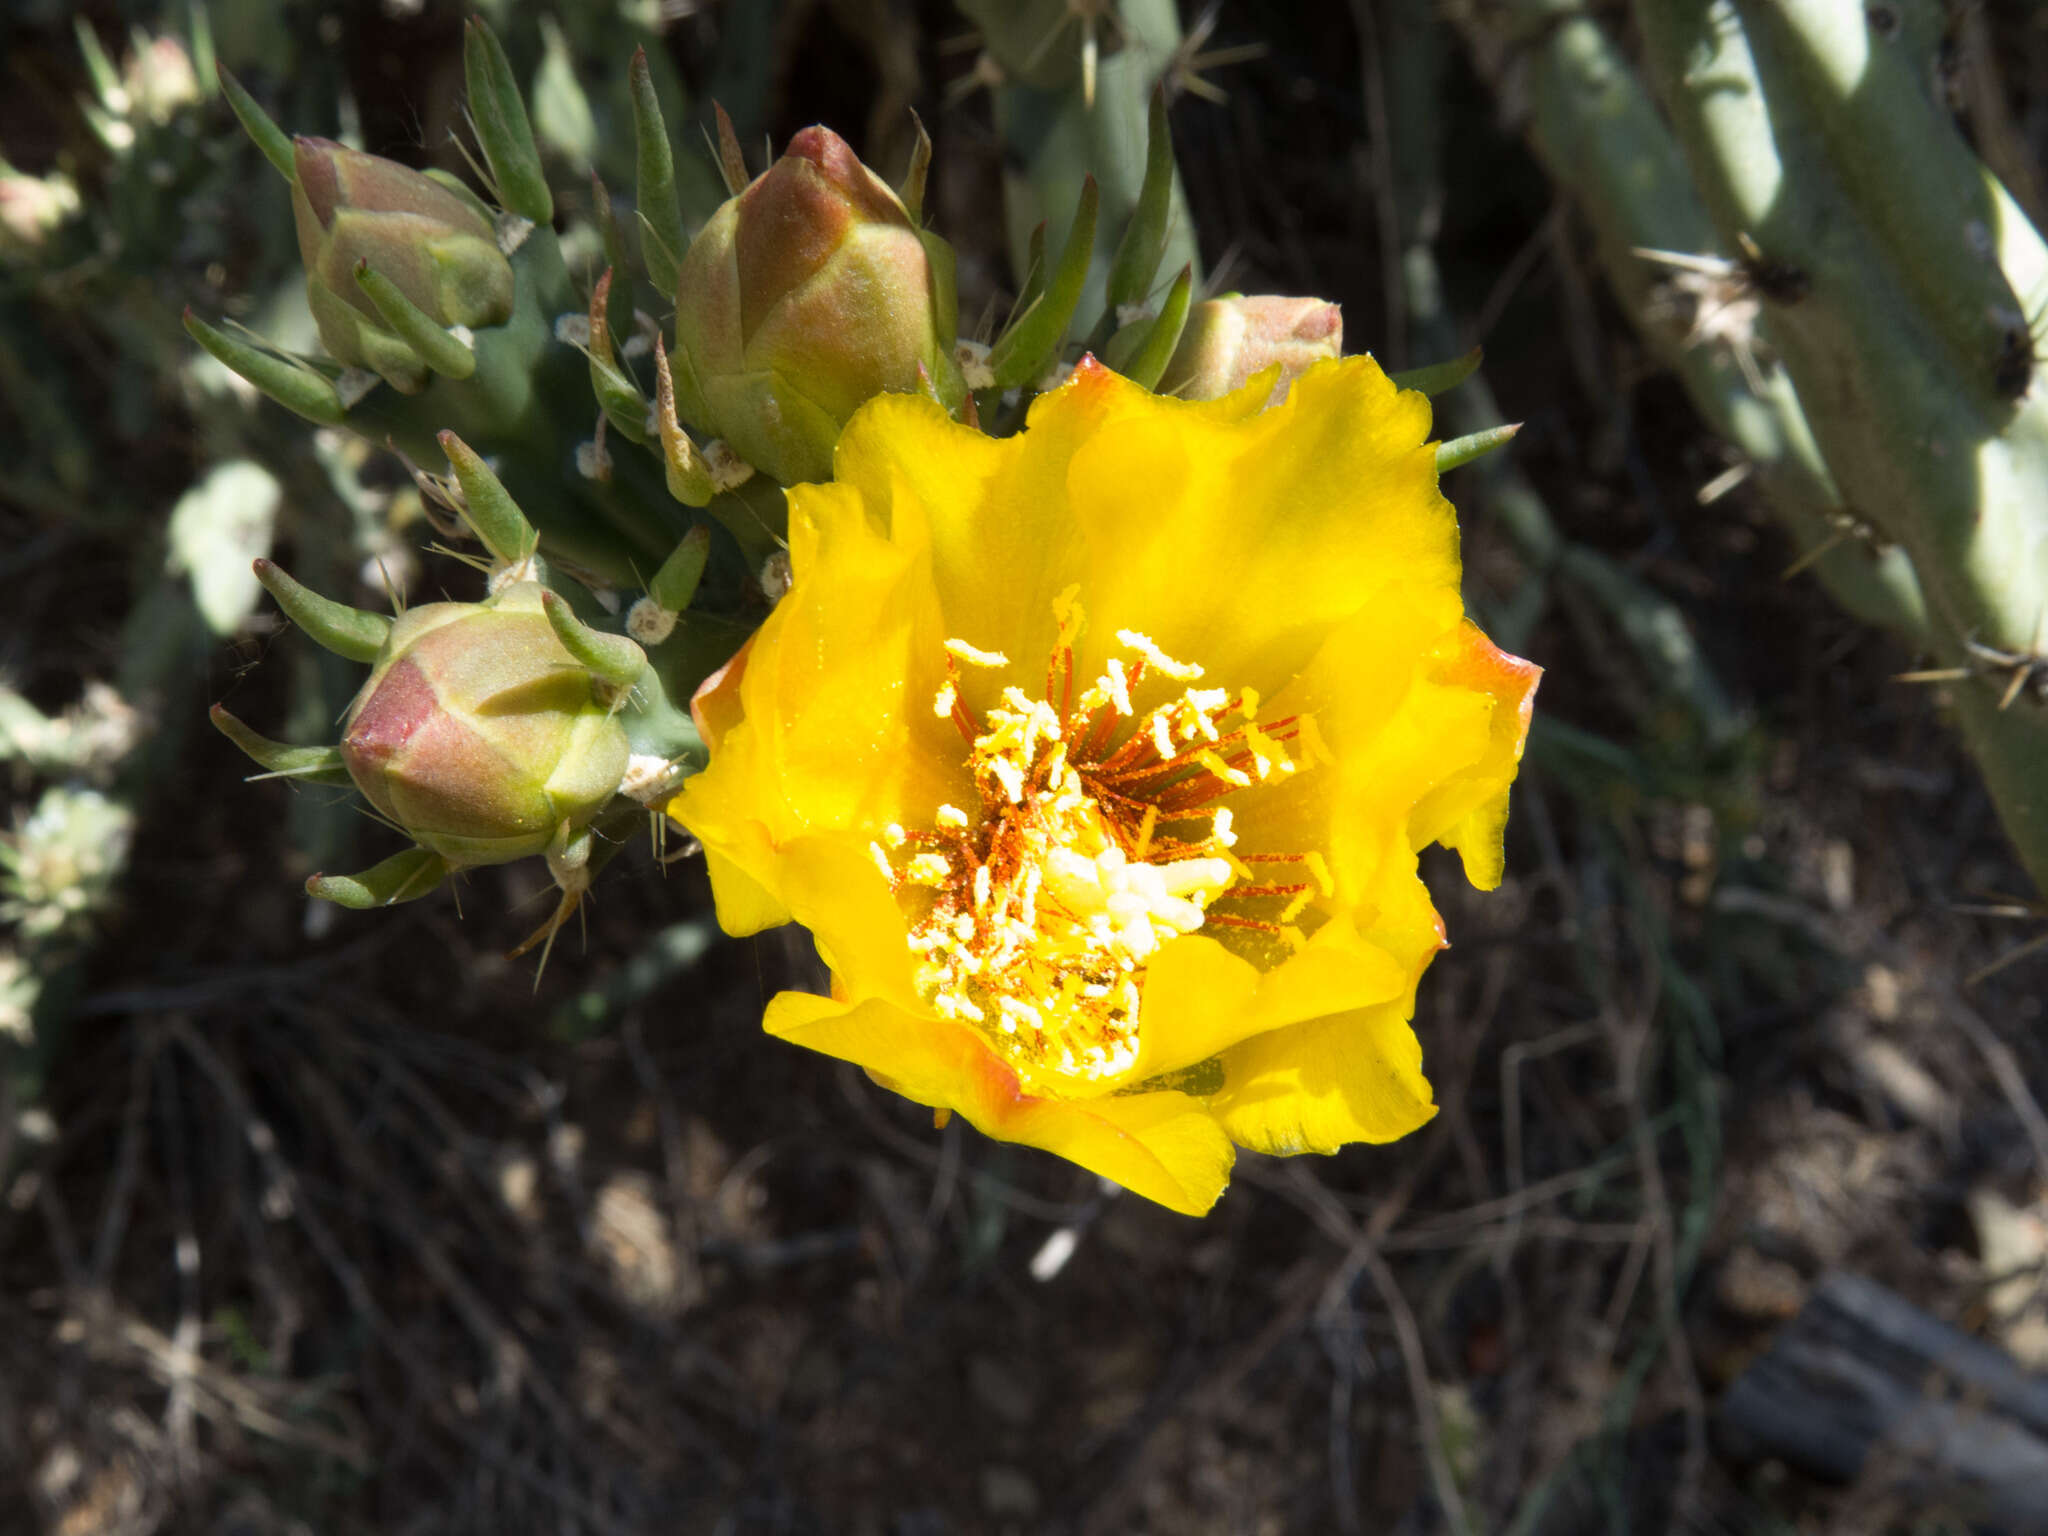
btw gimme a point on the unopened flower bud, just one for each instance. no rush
(1229, 340)
(806, 294)
(436, 249)
(479, 735)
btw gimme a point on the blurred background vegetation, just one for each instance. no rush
(324, 1221)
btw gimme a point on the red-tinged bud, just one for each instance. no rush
(480, 736)
(805, 295)
(437, 249)
(1229, 340)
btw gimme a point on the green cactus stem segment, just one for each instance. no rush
(623, 404)
(689, 476)
(1900, 162)
(1138, 253)
(1028, 348)
(1439, 378)
(312, 765)
(612, 659)
(662, 240)
(292, 385)
(493, 516)
(351, 632)
(675, 584)
(498, 113)
(1476, 445)
(275, 143)
(403, 877)
(1154, 346)
(438, 349)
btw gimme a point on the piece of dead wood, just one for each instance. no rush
(1862, 1386)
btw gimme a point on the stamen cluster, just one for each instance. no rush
(1096, 842)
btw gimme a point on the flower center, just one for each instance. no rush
(1096, 841)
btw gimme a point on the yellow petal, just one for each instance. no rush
(834, 728)
(991, 514)
(1468, 811)
(1239, 544)
(1163, 1146)
(744, 904)
(1202, 998)
(835, 889)
(1319, 1086)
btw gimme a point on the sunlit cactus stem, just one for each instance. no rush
(1883, 390)
(1812, 134)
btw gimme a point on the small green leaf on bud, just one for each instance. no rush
(1032, 343)
(689, 475)
(352, 632)
(275, 143)
(502, 127)
(1463, 450)
(804, 296)
(404, 876)
(290, 383)
(614, 660)
(1227, 341)
(493, 516)
(313, 765)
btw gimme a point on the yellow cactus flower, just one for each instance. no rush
(1098, 758)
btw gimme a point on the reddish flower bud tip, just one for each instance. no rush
(388, 719)
(1319, 323)
(318, 176)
